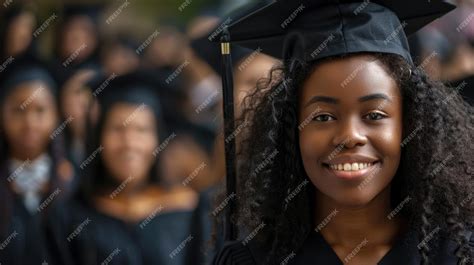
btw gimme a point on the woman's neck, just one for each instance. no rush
(19, 156)
(348, 226)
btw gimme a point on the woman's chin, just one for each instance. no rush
(356, 200)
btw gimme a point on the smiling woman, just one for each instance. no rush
(402, 194)
(386, 154)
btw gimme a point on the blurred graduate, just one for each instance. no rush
(34, 174)
(123, 214)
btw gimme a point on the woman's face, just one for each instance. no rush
(29, 117)
(79, 38)
(76, 100)
(350, 117)
(128, 139)
(19, 33)
(120, 60)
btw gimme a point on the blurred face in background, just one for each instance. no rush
(169, 49)
(76, 100)
(78, 38)
(129, 138)
(184, 162)
(29, 116)
(19, 33)
(120, 60)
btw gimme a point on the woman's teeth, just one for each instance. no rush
(350, 166)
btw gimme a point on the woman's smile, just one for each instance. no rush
(351, 167)
(355, 168)
(349, 173)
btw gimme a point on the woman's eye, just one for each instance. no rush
(143, 129)
(375, 116)
(323, 118)
(17, 110)
(40, 110)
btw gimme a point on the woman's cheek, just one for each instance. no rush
(389, 139)
(310, 145)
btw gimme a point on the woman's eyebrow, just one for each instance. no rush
(326, 99)
(332, 100)
(375, 96)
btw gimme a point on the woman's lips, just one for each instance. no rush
(352, 174)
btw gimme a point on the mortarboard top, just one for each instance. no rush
(309, 30)
(23, 69)
(135, 88)
(14, 11)
(92, 11)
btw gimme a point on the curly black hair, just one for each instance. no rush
(437, 124)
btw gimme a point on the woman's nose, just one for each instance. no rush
(350, 134)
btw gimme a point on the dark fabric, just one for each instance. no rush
(204, 247)
(465, 86)
(328, 27)
(25, 69)
(316, 250)
(81, 235)
(25, 240)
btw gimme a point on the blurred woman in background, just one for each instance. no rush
(77, 104)
(122, 215)
(17, 32)
(33, 171)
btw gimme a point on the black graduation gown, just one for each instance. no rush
(465, 87)
(204, 247)
(316, 250)
(24, 241)
(80, 234)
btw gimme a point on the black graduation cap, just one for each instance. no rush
(136, 88)
(309, 30)
(92, 11)
(23, 69)
(13, 12)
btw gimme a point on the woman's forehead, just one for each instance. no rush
(350, 78)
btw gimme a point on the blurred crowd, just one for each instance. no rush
(111, 144)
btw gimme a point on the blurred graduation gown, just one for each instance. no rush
(24, 242)
(24, 212)
(80, 234)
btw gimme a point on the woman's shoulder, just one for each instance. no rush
(450, 247)
(235, 252)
